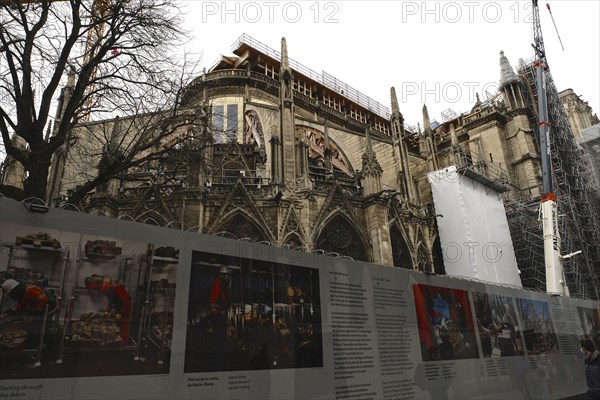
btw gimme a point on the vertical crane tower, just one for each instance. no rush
(555, 277)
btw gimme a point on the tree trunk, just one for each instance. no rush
(37, 168)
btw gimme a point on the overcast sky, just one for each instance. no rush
(438, 53)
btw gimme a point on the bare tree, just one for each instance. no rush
(131, 150)
(119, 59)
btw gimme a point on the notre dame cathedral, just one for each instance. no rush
(302, 160)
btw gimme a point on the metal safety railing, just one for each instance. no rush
(327, 80)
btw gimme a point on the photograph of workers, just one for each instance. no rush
(590, 324)
(83, 305)
(31, 276)
(445, 322)
(246, 314)
(497, 325)
(538, 329)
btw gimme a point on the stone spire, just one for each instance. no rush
(114, 134)
(290, 169)
(371, 170)
(477, 104)
(426, 122)
(509, 85)
(426, 145)
(57, 168)
(396, 118)
(369, 154)
(285, 77)
(285, 62)
(403, 175)
(507, 74)
(71, 77)
(394, 101)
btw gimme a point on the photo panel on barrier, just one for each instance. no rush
(446, 328)
(590, 324)
(246, 314)
(538, 328)
(498, 325)
(77, 305)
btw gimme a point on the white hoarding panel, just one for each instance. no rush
(473, 229)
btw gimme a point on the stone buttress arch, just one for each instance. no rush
(243, 225)
(339, 234)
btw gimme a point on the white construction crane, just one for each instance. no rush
(555, 277)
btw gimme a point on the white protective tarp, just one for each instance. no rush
(473, 228)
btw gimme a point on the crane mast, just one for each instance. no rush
(555, 277)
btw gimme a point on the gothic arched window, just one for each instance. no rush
(438, 257)
(253, 131)
(242, 227)
(400, 251)
(423, 263)
(340, 237)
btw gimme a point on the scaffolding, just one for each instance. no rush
(526, 232)
(448, 115)
(578, 203)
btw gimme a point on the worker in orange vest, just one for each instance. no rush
(29, 298)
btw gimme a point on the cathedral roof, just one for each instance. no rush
(246, 46)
